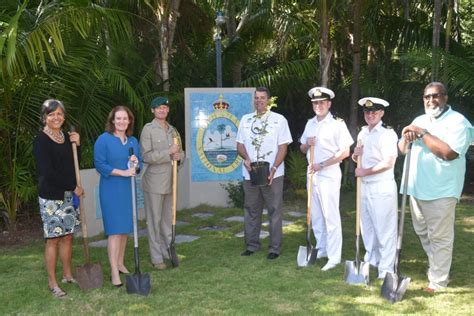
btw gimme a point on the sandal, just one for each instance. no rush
(57, 292)
(70, 280)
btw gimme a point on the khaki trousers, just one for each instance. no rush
(159, 222)
(433, 222)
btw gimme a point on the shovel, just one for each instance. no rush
(395, 284)
(357, 272)
(307, 254)
(136, 283)
(171, 248)
(89, 276)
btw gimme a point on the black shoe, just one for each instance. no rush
(272, 256)
(116, 285)
(247, 253)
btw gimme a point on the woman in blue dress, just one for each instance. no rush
(116, 166)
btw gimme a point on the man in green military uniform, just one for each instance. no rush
(158, 152)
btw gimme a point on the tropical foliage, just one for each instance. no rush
(94, 54)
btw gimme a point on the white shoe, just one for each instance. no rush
(328, 266)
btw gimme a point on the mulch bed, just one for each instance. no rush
(27, 229)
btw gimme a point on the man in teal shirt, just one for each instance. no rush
(440, 138)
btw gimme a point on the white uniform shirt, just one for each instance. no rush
(378, 144)
(278, 134)
(332, 135)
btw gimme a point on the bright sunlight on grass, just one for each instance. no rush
(214, 279)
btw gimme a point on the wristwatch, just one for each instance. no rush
(423, 133)
(321, 165)
(274, 168)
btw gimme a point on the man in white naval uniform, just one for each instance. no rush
(331, 140)
(377, 146)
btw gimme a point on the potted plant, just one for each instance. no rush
(260, 169)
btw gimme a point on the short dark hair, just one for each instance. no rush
(263, 89)
(109, 125)
(437, 84)
(50, 106)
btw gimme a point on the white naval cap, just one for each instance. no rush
(320, 93)
(373, 104)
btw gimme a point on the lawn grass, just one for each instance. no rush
(214, 279)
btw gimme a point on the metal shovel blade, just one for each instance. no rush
(173, 255)
(138, 283)
(394, 287)
(357, 275)
(304, 258)
(172, 249)
(89, 276)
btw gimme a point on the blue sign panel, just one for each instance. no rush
(214, 123)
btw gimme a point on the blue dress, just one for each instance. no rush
(115, 192)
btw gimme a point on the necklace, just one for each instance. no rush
(57, 137)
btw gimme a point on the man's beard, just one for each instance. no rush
(434, 113)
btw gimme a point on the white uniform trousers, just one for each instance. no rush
(159, 222)
(433, 222)
(378, 215)
(325, 216)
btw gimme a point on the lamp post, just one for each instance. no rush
(220, 22)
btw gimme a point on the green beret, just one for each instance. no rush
(159, 101)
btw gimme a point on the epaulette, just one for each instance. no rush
(337, 118)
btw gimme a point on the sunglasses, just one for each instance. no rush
(433, 95)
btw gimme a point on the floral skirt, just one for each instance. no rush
(60, 217)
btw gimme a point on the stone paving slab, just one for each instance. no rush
(203, 215)
(296, 214)
(283, 223)
(234, 219)
(212, 228)
(263, 234)
(181, 223)
(185, 238)
(142, 233)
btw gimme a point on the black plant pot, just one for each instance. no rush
(259, 173)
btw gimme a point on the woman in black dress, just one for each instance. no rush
(57, 192)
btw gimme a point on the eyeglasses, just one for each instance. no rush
(433, 95)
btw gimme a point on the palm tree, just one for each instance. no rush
(59, 50)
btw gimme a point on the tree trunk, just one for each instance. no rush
(233, 31)
(435, 46)
(166, 15)
(406, 9)
(355, 68)
(325, 48)
(447, 39)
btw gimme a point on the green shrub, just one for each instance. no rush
(295, 172)
(235, 191)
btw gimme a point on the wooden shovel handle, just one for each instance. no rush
(175, 182)
(358, 186)
(81, 204)
(310, 185)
